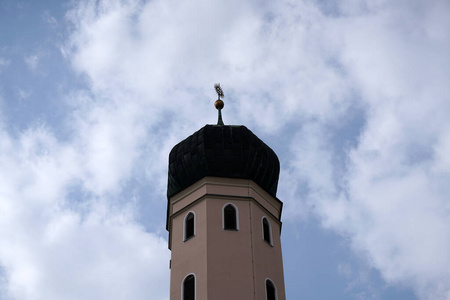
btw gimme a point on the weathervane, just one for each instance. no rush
(219, 103)
(219, 91)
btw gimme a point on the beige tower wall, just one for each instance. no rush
(189, 256)
(227, 264)
(229, 253)
(268, 258)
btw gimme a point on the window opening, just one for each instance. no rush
(189, 226)
(229, 215)
(189, 288)
(270, 290)
(266, 231)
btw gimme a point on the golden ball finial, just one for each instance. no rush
(219, 104)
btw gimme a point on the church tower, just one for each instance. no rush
(223, 216)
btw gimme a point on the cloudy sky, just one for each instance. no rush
(353, 96)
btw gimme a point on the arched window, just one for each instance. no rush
(230, 217)
(267, 231)
(271, 293)
(188, 292)
(189, 226)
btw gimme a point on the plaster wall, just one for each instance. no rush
(268, 258)
(189, 256)
(227, 264)
(230, 270)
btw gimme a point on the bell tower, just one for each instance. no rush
(223, 216)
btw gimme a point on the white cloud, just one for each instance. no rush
(23, 94)
(394, 205)
(47, 17)
(59, 245)
(32, 61)
(3, 63)
(294, 65)
(296, 71)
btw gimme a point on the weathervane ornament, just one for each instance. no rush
(219, 91)
(219, 103)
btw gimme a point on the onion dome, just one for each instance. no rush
(222, 151)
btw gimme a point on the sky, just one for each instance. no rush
(352, 95)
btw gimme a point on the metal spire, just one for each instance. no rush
(219, 103)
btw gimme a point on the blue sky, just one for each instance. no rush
(352, 95)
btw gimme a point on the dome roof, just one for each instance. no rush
(222, 151)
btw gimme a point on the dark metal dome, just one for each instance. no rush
(222, 151)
